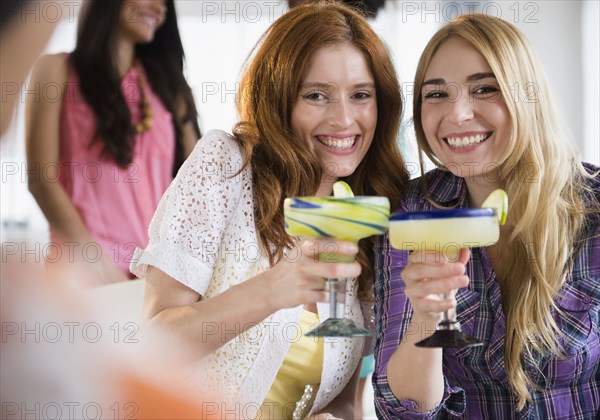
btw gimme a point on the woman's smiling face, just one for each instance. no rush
(336, 109)
(140, 19)
(464, 116)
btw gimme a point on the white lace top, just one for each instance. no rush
(203, 234)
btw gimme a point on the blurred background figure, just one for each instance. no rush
(100, 158)
(59, 359)
(363, 405)
(22, 41)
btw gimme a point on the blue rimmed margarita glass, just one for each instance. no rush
(445, 231)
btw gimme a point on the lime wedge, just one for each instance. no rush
(342, 190)
(497, 200)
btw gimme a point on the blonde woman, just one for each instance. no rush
(483, 114)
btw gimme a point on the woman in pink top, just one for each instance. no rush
(101, 157)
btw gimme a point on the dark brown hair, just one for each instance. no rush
(99, 79)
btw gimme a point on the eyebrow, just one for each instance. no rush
(480, 76)
(438, 81)
(330, 85)
(472, 78)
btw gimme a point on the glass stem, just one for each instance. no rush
(446, 313)
(332, 298)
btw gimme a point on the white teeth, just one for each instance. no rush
(345, 143)
(466, 141)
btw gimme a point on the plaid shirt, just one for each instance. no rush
(476, 383)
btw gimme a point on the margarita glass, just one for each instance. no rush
(446, 231)
(348, 219)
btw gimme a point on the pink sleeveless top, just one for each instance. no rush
(116, 204)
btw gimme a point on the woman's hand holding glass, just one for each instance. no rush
(428, 275)
(299, 278)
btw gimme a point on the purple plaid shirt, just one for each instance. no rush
(475, 378)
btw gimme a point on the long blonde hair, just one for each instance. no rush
(282, 165)
(546, 208)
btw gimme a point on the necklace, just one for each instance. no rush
(145, 122)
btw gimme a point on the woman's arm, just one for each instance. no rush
(22, 43)
(207, 324)
(408, 381)
(190, 137)
(415, 373)
(43, 144)
(188, 129)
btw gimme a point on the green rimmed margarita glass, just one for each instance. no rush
(349, 219)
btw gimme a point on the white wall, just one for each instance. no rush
(590, 31)
(555, 30)
(564, 34)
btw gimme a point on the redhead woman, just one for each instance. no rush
(319, 101)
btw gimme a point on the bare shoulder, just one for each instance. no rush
(51, 68)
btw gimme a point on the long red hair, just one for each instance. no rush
(282, 165)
